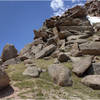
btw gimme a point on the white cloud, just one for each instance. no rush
(57, 6)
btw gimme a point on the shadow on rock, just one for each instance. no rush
(6, 92)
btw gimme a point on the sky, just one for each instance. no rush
(19, 18)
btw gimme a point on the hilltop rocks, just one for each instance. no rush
(93, 8)
(76, 12)
(46, 51)
(92, 81)
(60, 74)
(80, 66)
(9, 51)
(4, 79)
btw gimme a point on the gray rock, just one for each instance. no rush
(4, 79)
(92, 81)
(28, 61)
(81, 66)
(36, 49)
(60, 74)
(46, 51)
(92, 48)
(9, 51)
(32, 71)
(12, 61)
(75, 50)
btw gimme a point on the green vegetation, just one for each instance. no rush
(44, 88)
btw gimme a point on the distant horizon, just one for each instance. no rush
(18, 19)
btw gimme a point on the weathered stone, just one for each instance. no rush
(32, 71)
(80, 29)
(92, 81)
(22, 57)
(93, 7)
(28, 61)
(64, 34)
(52, 40)
(4, 79)
(38, 41)
(92, 48)
(36, 49)
(46, 51)
(12, 61)
(76, 12)
(75, 50)
(9, 51)
(40, 33)
(63, 57)
(81, 66)
(60, 74)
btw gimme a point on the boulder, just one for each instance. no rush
(32, 71)
(9, 51)
(80, 66)
(61, 75)
(62, 57)
(4, 79)
(46, 51)
(92, 48)
(92, 81)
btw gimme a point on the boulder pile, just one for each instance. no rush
(69, 37)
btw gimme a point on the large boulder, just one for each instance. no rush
(80, 66)
(92, 81)
(45, 51)
(9, 51)
(4, 79)
(60, 74)
(92, 48)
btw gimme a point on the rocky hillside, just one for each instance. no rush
(63, 61)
